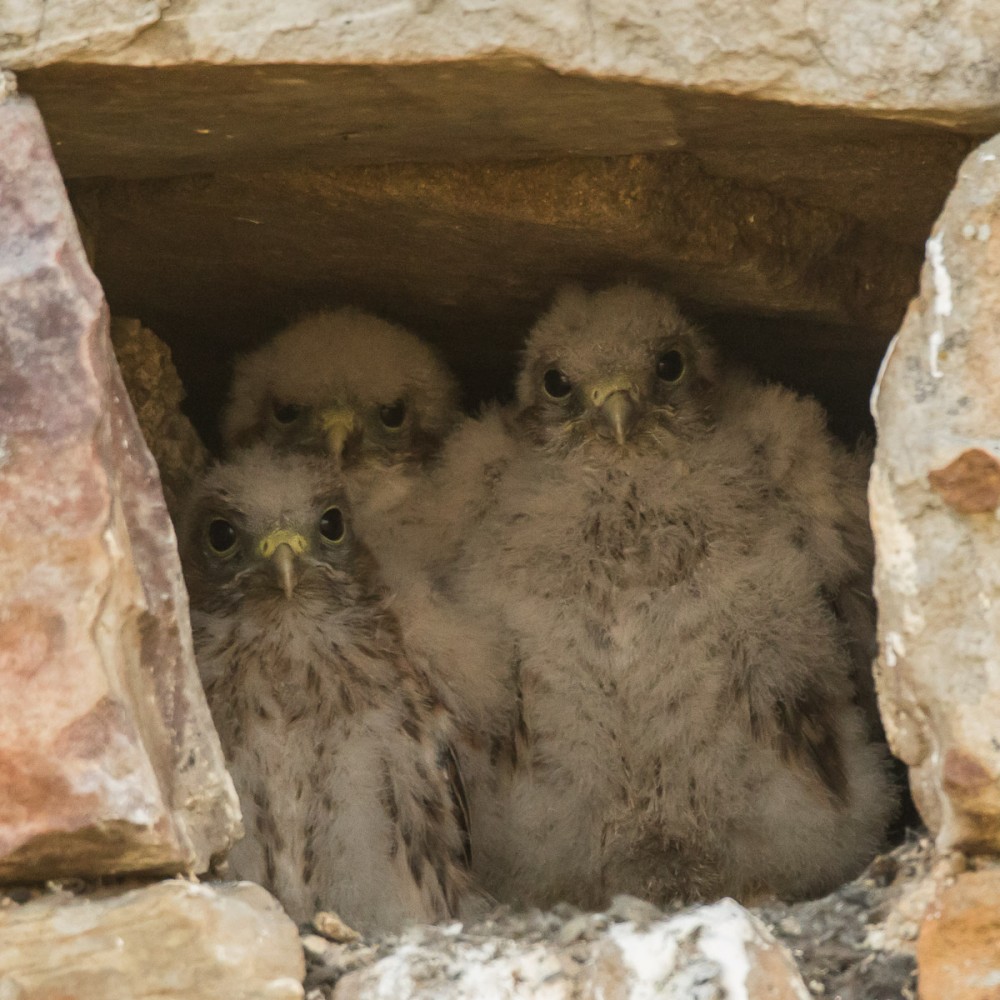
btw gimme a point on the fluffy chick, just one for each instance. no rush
(372, 397)
(342, 760)
(663, 544)
(350, 385)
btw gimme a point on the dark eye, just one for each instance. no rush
(287, 413)
(556, 384)
(331, 525)
(392, 416)
(670, 366)
(221, 536)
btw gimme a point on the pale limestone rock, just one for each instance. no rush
(958, 954)
(108, 758)
(719, 951)
(934, 502)
(938, 60)
(173, 939)
(156, 394)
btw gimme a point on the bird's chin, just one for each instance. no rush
(266, 589)
(612, 449)
(645, 439)
(605, 441)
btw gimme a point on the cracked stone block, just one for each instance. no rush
(935, 507)
(958, 952)
(170, 939)
(935, 60)
(108, 758)
(719, 951)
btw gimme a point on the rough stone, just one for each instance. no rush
(740, 249)
(108, 758)
(857, 943)
(719, 951)
(470, 254)
(933, 486)
(156, 394)
(171, 939)
(938, 60)
(959, 948)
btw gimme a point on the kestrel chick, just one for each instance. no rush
(350, 385)
(663, 544)
(372, 397)
(342, 760)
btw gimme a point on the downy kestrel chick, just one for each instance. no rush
(663, 545)
(342, 759)
(359, 389)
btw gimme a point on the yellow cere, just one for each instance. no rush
(296, 542)
(600, 391)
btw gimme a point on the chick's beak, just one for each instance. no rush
(337, 424)
(615, 403)
(283, 547)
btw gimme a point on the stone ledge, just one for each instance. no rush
(933, 62)
(171, 939)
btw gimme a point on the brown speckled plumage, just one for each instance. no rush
(337, 749)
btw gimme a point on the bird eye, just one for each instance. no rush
(221, 537)
(393, 415)
(331, 525)
(670, 366)
(556, 384)
(286, 413)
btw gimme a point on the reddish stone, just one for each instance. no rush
(108, 761)
(937, 576)
(970, 484)
(958, 952)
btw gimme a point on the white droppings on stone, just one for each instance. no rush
(942, 279)
(875, 938)
(985, 601)
(987, 157)
(651, 955)
(895, 648)
(936, 342)
(969, 231)
(726, 931)
(984, 232)
(942, 300)
(873, 401)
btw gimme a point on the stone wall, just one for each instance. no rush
(448, 163)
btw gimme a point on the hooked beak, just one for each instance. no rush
(282, 547)
(614, 401)
(284, 566)
(337, 425)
